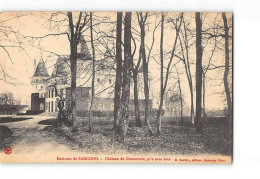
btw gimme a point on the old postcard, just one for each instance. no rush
(116, 87)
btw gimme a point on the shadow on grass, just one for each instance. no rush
(13, 119)
(5, 134)
(49, 122)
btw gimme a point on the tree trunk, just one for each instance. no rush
(189, 77)
(181, 103)
(136, 99)
(118, 82)
(123, 122)
(73, 69)
(227, 90)
(158, 118)
(188, 74)
(192, 108)
(198, 121)
(203, 97)
(75, 34)
(73, 59)
(188, 71)
(93, 72)
(145, 74)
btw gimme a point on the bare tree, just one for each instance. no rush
(186, 61)
(76, 31)
(181, 97)
(10, 39)
(93, 71)
(118, 82)
(135, 70)
(204, 73)
(226, 83)
(164, 83)
(142, 21)
(162, 67)
(185, 44)
(198, 121)
(124, 109)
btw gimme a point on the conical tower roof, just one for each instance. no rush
(61, 68)
(41, 69)
(83, 51)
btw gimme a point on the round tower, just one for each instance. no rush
(40, 78)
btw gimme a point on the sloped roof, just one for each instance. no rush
(41, 69)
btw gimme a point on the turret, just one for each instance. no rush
(40, 78)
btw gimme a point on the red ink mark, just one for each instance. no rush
(8, 150)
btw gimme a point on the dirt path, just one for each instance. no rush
(29, 137)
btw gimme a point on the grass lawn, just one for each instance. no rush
(174, 139)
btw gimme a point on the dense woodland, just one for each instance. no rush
(186, 47)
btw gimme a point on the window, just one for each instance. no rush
(46, 106)
(102, 107)
(55, 107)
(52, 106)
(110, 81)
(52, 93)
(98, 80)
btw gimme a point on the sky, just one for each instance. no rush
(22, 64)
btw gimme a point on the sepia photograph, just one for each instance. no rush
(116, 87)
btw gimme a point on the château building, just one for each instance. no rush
(51, 89)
